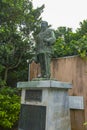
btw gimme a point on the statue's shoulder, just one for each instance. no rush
(50, 30)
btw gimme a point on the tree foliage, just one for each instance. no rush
(9, 107)
(83, 29)
(70, 43)
(18, 21)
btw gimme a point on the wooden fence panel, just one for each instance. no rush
(74, 70)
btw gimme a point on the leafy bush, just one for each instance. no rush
(75, 47)
(62, 49)
(71, 43)
(9, 107)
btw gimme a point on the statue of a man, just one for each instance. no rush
(44, 41)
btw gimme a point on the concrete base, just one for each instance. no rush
(58, 114)
(55, 98)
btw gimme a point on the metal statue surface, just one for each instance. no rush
(44, 41)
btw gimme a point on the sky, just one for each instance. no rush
(67, 13)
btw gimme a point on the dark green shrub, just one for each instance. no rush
(78, 47)
(9, 107)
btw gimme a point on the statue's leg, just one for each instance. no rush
(41, 58)
(44, 60)
(47, 65)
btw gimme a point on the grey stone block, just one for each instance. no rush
(55, 98)
(44, 84)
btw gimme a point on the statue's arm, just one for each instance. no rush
(51, 39)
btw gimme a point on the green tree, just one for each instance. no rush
(82, 30)
(65, 33)
(70, 43)
(64, 44)
(18, 21)
(9, 107)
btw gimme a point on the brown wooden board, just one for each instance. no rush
(74, 70)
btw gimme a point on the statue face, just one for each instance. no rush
(44, 25)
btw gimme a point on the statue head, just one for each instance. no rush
(44, 25)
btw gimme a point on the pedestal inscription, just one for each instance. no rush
(32, 117)
(33, 95)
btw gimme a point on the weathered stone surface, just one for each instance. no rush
(58, 114)
(76, 102)
(56, 100)
(44, 84)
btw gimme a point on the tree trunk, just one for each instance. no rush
(6, 74)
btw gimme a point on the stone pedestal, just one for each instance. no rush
(44, 105)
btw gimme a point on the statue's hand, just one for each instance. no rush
(48, 44)
(45, 39)
(35, 59)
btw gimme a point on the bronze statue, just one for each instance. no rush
(44, 41)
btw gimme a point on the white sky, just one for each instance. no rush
(67, 13)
